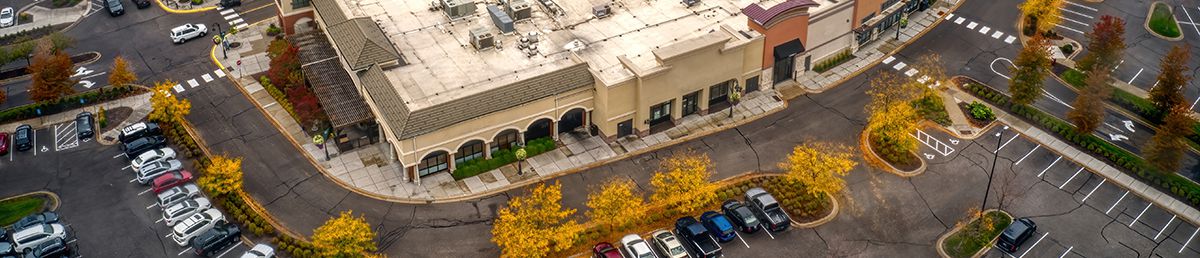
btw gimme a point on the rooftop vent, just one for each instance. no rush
(518, 9)
(458, 8)
(690, 3)
(552, 7)
(482, 38)
(601, 11)
(501, 19)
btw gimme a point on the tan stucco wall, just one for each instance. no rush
(830, 32)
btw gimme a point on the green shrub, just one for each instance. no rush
(980, 111)
(833, 61)
(1067, 49)
(67, 103)
(197, 2)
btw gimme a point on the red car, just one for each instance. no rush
(605, 250)
(3, 143)
(171, 179)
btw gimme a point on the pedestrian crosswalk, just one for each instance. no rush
(234, 19)
(193, 83)
(994, 33)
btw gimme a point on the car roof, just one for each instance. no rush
(1015, 229)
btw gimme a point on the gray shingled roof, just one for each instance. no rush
(394, 110)
(331, 83)
(329, 11)
(363, 43)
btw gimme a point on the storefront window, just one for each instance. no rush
(470, 151)
(433, 163)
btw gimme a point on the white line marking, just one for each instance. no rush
(1081, 6)
(1034, 244)
(1079, 22)
(220, 73)
(959, 20)
(157, 221)
(1164, 227)
(899, 65)
(1048, 167)
(226, 11)
(34, 142)
(764, 229)
(152, 206)
(1085, 197)
(1189, 241)
(972, 25)
(1194, 103)
(1139, 216)
(734, 233)
(231, 16)
(949, 15)
(1119, 64)
(184, 251)
(127, 167)
(1189, 15)
(911, 72)
(997, 35)
(1067, 252)
(889, 60)
(1069, 28)
(145, 191)
(118, 155)
(269, 105)
(1006, 143)
(193, 83)
(1076, 13)
(93, 75)
(1010, 39)
(1035, 147)
(207, 78)
(132, 180)
(1072, 178)
(241, 26)
(239, 20)
(178, 88)
(1136, 75)
(985, 30)
(1118, 201)
(235, 247)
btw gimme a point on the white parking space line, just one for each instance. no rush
(1069, 28)
(1035, 148)
(1076, 13)
(1085, 197)
(34, 142)
(1189, 241)
(1081, 6)
(157, 221)
(1010, 39)
(1072, 178)
(1006, 143)
(1067, 252)
(1139, 216)
(1193, 22)
(235, 247)
(145, 191)
(997, 35)
(1048, 167)
(1136, 75)
(151, 206)
(764, 229)
(184, 251)
(1079, 22)
(127, 167)
(959, 20)
(1119, 64)
(985, 30)
(72, 241)
(972, 25)
(220, 73)
(132, 180)
(1194, 102)
(1118, 201)
(118, 155)
(1164, 227)
(889, 60)
(739, 238)
(1034, 244)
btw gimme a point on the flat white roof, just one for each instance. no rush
(443, 65)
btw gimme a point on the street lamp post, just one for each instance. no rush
(224, 52)
(995, 156)
(520, 155)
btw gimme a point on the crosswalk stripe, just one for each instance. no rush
(985, 30)
(207, 78)
(241, 26)
(911, 72)
(178, 88)
(972, 25)
(220, 73)
(231, 16)
(193, 83)
(949, 16)
(239, 20)
(1010, 39)
(226, 11)
(959, 20)
(889, 59)
(899, 65)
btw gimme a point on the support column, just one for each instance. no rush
(554, 130)
(587, 122)
(411, 171)
(520, 138)
(487, 150)
(450, 159)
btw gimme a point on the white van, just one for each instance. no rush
(185, 209)
(195, 225)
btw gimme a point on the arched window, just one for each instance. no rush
(506, 140)
(469, 151)
(433, 163)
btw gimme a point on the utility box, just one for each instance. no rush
(458, 8)
(601, 11)
(519, 9)
(482, 38)
(501, 19)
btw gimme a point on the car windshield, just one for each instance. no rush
(745, 213)
(677, 250)
(47, 228)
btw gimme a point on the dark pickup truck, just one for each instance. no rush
(696, 238)
(767, 209)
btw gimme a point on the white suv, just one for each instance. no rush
(188, 31)
(29, 238)
(152, 156)
(185, 209)
(193, 226)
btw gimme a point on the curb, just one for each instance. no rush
(1170, 9)
(874, 159)
(28, 75)
(941, 252)
(833, 212)
(54, 200)
(170, 10)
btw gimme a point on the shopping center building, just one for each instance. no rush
(449, 81)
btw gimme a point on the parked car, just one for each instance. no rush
(195, 225)
(114, 7)
(7, 17)
(184, 209)
(138, 130)
(259, 251)
(185, 32)
(605, 250)
(767, 209)
(152, 170)
(1016, 234)
(216, 239)
(4, 138)
(144, 144)
(718, 225)
(636, 247)
(7, 249)
(35, 219)
(740, 215)
(696, 238)
(142, 4)
(55, 247)
(84, 126)
(176, 195)
(230, 3)
(152, 156)
(23, 138)
(27, 239)
(667, 244)
(170, 179)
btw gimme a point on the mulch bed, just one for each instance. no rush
(974, 122)
(115, 117)
(913, 162)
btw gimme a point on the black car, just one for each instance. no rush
(137, 147)
(114, 7)
(35, 219)
(53, 248)
(142, 4)
(216, 239)
(23, 138)
(138, 130)
(84, 126)
(230, 3)
(1016, 234)
(696, 239)
(741, 216)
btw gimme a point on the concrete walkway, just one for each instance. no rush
(139, 103)
(49, 17)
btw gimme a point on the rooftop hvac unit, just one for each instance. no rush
(458, 8)
(482, 38)
(501, 19)
(601, 11)
(690, 3)
(519, 9)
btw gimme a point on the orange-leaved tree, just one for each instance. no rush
(535, 224)
(344, 236)
(51, 72)
(120, 74)
(682, 183)
(616, 203)
(166, 107)
(820, 166)
(222, 176)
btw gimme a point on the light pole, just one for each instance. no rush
(224, 52)
(520, 155)
(995, 156)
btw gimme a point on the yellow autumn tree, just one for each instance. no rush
(535, 224)
(167, 107)
(120, 74)
(683, 183)
(616, 203)
(820, 166)
(222, 176)
(344, 236)
(1044, 13)
(891, 116)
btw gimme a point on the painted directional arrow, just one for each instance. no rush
(929, 156)
(81, 71)
(87, 84)
(44, 149)
(1117, 137)
(1128, 125)
(954, 141)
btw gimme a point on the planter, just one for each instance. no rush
(1166, 23)
(833, 212)
(875, 159)
(941, 240)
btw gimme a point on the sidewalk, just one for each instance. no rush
(139, 103)
(49, 17)
(185, 6)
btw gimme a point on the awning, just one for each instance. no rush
(788, 49)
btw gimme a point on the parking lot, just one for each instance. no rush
(1078, 213)
(109, 214)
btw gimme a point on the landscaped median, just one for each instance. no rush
(1139, 106)
(1180, 187)
(975, 237)
(14, 208)
(1162, 22)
